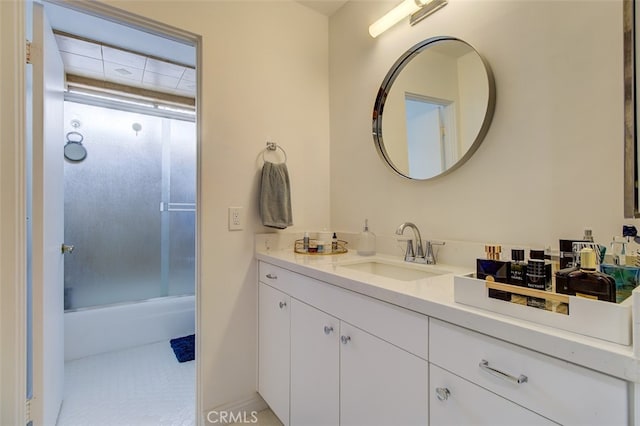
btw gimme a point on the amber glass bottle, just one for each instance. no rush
(588, 282)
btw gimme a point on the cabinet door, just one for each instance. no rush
(380, 384)
(273, 349)
(455, 401)
(315, 367)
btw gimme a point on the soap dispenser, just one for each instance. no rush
(367, 241)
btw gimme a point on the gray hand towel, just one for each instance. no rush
(275, 196)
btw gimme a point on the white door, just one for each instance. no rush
(315, 366)
(380, 384)
(455, 401)
(48, 223)
(273, 349)
(424, 138)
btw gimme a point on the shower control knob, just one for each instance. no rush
(67, 248)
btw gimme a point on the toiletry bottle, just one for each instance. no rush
(494, 269)
(538, 277)
(305, 242)
(334, 243)
(587, 282)
(518, 274)
(367, 241)
(588, 235)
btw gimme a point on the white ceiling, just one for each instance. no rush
(326, 7)
(104, 50)
(97, 61)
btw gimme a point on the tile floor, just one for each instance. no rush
(264, 418)
(141, 386)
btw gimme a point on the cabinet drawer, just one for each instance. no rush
(275, 276)
(455, 401)
(401, 327)
(556, 389)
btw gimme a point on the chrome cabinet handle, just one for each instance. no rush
(282, 305)
(442, 394)
(67, 248)
(328, 329)
(345, 339)
(272, 276)
(484, 365)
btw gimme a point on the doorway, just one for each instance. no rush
(90, 280)
(431, 136)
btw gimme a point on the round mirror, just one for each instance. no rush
(434, 108)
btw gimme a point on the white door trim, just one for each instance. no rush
(12, 213)
(13, 197)
(109, 12)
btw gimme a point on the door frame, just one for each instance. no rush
(13, 263)
(13, 229)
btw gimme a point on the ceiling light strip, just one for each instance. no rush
(138, 106)
(127, 91)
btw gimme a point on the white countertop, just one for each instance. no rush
(434, 297)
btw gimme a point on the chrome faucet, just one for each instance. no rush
(419, 253)
(423, 254)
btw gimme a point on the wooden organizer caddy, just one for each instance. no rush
(594, 318)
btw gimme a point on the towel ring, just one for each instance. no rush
(272, 146)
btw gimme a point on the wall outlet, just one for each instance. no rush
(236, 219)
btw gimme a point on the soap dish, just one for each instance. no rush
(298, 247)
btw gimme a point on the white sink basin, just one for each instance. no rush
(402, 272)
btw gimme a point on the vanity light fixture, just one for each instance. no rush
(418, 9)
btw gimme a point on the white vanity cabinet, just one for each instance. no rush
(330, 356)
(273, 352)
(350, 356)
(557, 390)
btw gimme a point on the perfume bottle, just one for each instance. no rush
(494, 269)
(538, 277)
(568, 257)
(518, 274)
(588, 282)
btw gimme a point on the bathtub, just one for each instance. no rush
(92, 331)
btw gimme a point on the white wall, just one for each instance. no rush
(264, 75)
(552, 160)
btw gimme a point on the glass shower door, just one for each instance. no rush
(131, 241)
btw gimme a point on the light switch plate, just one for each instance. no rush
(236, 219)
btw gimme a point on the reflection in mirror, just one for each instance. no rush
(437, 100)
